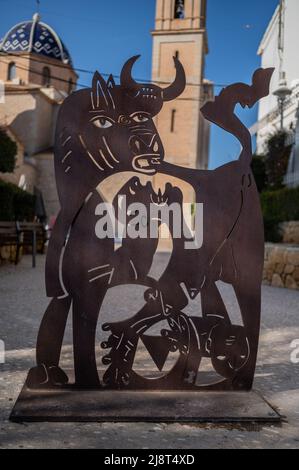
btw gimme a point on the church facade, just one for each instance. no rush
(38, 74)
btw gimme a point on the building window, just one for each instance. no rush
(70, 86)
(172, 120)
(179, 9)
(46, 77)
(11, 72)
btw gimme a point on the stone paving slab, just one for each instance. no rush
(21, 308)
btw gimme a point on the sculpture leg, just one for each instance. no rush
(54, 250)
(85, 317)
(48, 348)
(249, 298)
(51, 332)
(212, 302)
(226, 344)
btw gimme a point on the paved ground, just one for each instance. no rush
(21, 308)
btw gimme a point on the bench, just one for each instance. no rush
(24, 234)
(10, 236)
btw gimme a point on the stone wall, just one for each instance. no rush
(281, 268)
(290, 232)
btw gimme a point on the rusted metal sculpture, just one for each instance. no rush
(109, 129)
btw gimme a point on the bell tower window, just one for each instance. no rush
(11, 72)
(179, 9)
(172, 120)
(46, 77)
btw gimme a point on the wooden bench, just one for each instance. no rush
(23, 234)
(34, 234)
(9, 236)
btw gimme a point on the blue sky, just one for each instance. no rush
(102, 34)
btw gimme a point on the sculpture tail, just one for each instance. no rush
(221, 111)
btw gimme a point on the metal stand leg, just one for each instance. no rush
(33, 248)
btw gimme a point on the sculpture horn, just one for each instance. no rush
(178, 86)
(126, 79)
(169, 93)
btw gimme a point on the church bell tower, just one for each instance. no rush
(180, 30)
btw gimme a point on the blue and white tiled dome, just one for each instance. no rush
(35, 36)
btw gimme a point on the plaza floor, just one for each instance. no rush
(22, 303)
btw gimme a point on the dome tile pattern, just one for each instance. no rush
(35, 36)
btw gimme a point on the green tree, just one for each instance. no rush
(8, 152)
(276, 159)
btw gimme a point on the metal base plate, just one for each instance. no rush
(69, 405)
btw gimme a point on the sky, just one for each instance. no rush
(102, 34)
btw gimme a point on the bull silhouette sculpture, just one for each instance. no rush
(109, 129)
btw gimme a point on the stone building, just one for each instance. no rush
(180, 30)
(38, 74)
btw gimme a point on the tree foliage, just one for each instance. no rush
(15, 203)
(277, 159)
(8, 152)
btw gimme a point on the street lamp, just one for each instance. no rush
(282, 93)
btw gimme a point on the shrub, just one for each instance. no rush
(272, 231)
(279, 206)
(8, 152)
(6, 201)
(15, 203)
(282, 204)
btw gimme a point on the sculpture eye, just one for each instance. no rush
(102, 122)
(140, 117)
